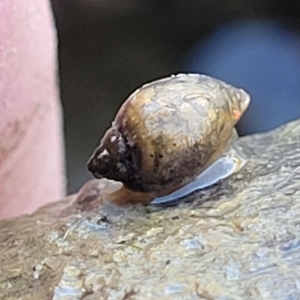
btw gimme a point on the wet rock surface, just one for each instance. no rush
(239, 239)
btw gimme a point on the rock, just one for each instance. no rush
(239, 239)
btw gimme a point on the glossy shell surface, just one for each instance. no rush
(168, 132)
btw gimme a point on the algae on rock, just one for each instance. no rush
(239, 239)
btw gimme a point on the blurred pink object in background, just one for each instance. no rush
(31, 145)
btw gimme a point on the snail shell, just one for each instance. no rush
(167, 133)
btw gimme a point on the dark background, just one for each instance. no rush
(109, 48)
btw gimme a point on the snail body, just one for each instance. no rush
(167, 133)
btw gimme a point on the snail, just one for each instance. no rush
(169, 138)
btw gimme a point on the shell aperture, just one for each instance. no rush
(167, 133)
(218, 170)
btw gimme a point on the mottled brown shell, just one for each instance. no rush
(168, 131)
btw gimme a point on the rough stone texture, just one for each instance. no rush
(236, 240)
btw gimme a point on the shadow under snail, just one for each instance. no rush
(168, 139)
